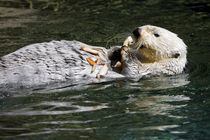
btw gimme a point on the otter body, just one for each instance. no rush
(47, 63)
(155, 51)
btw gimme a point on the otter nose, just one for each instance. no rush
(136, 33)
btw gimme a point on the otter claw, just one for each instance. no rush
(118, 64)
(90, 50)
(102, 71)
(97, 62)
(92, 63)
(95, 51)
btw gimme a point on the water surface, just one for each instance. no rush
(174, 107)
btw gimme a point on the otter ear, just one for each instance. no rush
(176, 55)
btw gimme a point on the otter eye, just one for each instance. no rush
(142, 46)
(176, 55)
(156, 35)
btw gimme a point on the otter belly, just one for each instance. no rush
(46, 63)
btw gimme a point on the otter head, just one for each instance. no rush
(156, 44)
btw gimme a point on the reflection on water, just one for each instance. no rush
(53, 108)
(160, 82)
(91, 110)
(172, 107)
(158, 105)
(101, 107)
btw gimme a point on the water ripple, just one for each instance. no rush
(31, 112)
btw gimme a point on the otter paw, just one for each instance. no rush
(128, 41)
(124, 51)
(95, 51)
(94, 63)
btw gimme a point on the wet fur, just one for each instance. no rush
(165, 54)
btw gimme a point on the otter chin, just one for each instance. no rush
(160, 51)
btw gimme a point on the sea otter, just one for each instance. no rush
(151, 50)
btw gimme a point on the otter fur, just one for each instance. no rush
(155, 51)
(162, 52)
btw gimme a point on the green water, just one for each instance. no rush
(175, 107)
